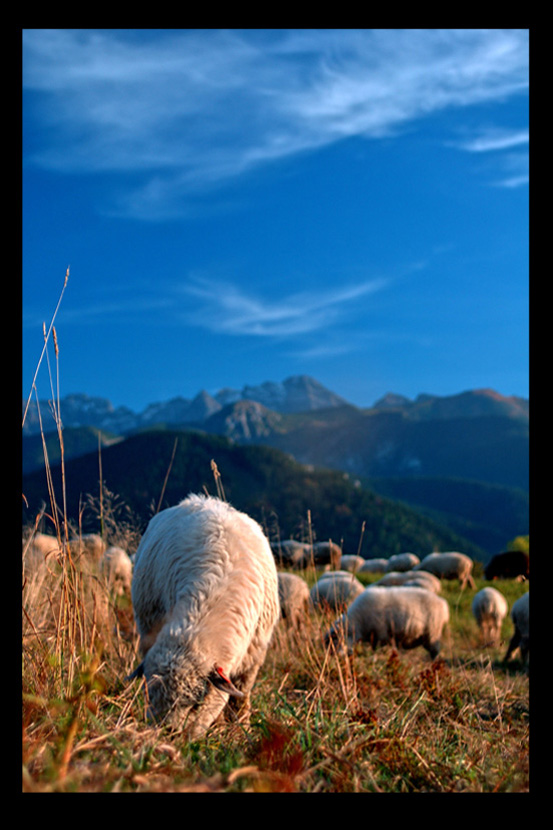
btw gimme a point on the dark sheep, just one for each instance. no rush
(508, 565)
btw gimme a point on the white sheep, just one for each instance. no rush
(335, 589)
(205, 600)
(90, 545)
(39, 552)
(44, 543)
(117, 568)
(520, 614)
(402, 562)
(449, 565)
(489, 608)
(293, 595)
(349, 562)
(290, 553)
(374, 566)
(402, 616)
(37, 549)
(422, 579)
(325, 553)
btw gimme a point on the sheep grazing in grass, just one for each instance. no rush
(117, 568)
(300, 554)
(402, 562)
(520, 614)
(89, 545)
(205, 600)
(421, 579)
(489, 607)
(511, 564)
(351, 563)
(44, 544)
(290, 553)
(37, 549)
(335, 589)
(325, 553)
(401, 616)
(374, 566)
(449, 565)
(293, 595)
(39, 552)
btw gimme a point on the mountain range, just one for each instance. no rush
(462, 459)
(295, 394)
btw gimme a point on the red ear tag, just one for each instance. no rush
(224, 683)
(221, 674)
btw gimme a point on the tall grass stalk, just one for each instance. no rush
(44, 348)
(218, 481)
(167, 474)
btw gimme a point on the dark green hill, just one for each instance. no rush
(489, 515)
(76, 441)
(490, 449)
(266, 483)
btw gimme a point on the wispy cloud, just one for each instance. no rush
(513, 161)
(225, 308)
(190, 109)
(492, 139)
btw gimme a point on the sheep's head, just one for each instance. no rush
(184, 692)
(339, 636)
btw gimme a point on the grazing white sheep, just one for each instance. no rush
(449, 565)
(90, 545)
(373, 566)
(325, 553)
(422, 579)
(293, 595)
(350, 562)
(402, 562)
(335, 589)
(205, 600)
(37, 549)
(405, 617)
(117, 568)
(520, 614)
(38, 553)
(291, 553)
(489, 608)
(44, 544)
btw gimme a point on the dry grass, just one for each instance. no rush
(322, 722)
(370, 722)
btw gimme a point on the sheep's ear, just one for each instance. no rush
(219, 679)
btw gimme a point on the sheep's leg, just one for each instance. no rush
(210, 712)
(239, 708)
(513, 645)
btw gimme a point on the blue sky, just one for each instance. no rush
(237, 206)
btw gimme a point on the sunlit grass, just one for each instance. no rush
(323, 721)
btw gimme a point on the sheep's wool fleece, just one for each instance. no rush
(204, 575)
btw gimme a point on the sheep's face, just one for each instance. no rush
(340, 636)
(121, 583)
(173, 697)
(183, 693)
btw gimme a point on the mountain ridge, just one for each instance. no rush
(462, 458)
(264, 482)
(294, 395)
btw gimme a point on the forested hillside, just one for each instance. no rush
(289, 499)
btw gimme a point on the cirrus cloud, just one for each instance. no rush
(189, 110)
(226, 308)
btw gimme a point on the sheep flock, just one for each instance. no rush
(208, 591)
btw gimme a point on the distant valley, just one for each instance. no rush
(461, 460)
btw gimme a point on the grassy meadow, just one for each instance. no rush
(382, 721)
(322, 722)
